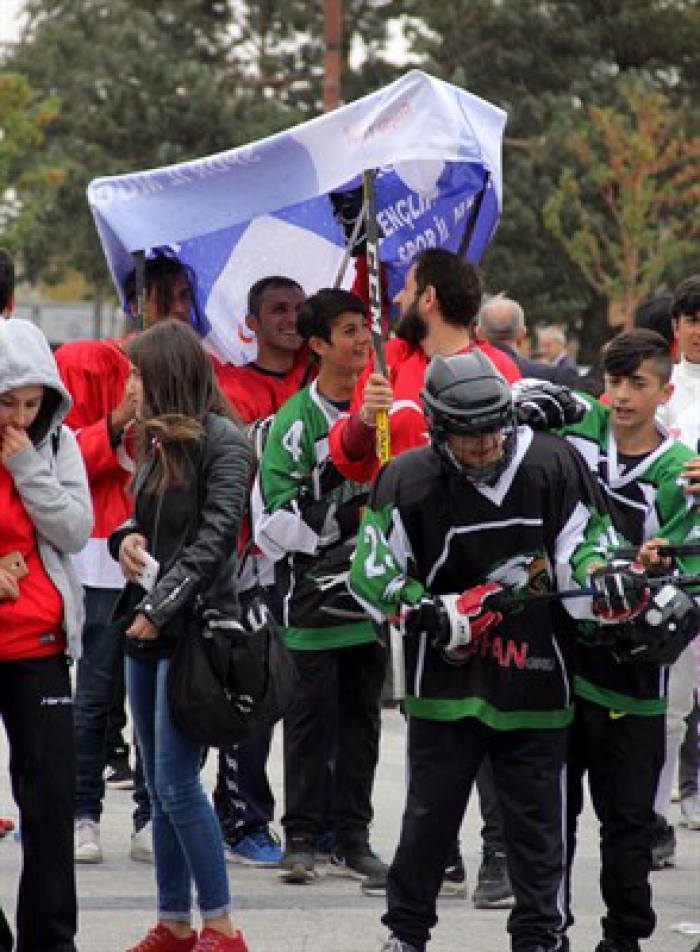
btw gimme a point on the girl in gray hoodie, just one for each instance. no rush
(46, 516)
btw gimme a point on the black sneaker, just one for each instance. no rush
(298, 863)
(617, 945)
(454, 883)
(118, 775)
(663, 845)
(359, 863)
(493, 889)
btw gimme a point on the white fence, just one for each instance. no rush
(72, 321)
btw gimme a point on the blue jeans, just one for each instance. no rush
(186, 837)
(103, 653)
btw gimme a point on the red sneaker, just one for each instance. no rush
(161, 939)
(210, 941)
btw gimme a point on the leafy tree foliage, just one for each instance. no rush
(25, 178)
(624, 206)
(280, 48)
(139, 86)
(146, 85)
(542, 62)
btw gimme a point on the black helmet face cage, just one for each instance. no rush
(441, 425)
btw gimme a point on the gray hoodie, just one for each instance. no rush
(49, 475)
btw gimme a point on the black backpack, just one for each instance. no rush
(229, 679)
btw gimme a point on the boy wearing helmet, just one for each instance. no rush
(489, 506)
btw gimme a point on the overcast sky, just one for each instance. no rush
(9, 19)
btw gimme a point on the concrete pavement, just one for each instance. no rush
(117, 897)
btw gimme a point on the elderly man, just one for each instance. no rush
(553, 350)
(501, 322)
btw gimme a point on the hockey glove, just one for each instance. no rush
(464, 619)
(620, 592)
(546, 406)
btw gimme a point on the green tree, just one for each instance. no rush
(139, 87)
(624, 208)
(25, 178)
(279, 46)
(541, 60)
(142, 86)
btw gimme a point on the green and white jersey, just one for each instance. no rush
(305, 517)
(645, 498)
(427, 531)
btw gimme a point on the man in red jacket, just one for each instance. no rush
(243, 798)
(438, 305)
(96, 375)
(258, 389)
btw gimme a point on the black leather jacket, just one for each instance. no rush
(199, 567)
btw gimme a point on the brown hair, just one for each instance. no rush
(179, 391)
(624, 354)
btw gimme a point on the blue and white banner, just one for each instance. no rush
(264, 209)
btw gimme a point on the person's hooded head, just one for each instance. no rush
(32, 396)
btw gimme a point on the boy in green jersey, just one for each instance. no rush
(305, 516)
(618, 735)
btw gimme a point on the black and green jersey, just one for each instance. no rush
(645, 498)
(429, 531)
(305, 517)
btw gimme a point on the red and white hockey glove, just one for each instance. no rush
(620, 592)
(464, 619)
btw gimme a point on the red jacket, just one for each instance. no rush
(255, 393)
(95, 373)
(31, 626)
(407, 424)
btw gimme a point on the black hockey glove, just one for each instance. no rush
(620, 592)
(546, 406)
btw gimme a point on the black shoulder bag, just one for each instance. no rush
(229, 680)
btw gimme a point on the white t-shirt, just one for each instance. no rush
(681, 415)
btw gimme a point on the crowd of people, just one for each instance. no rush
(143, 480)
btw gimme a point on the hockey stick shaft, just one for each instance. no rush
(670, 550)
(374, 273)
(506, 602)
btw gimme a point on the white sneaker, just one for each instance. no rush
(690, 812)
(142, 844)
(88, 848)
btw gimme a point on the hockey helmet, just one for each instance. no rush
(670, 621)
(465, 395)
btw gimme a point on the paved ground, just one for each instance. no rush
(117, 898)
